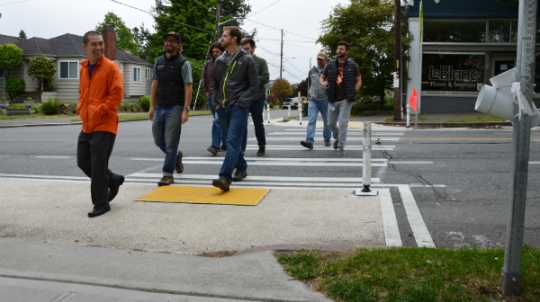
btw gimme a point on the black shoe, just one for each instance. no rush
(212, 150)
(223, 148)
(99, 210)
(179, 164)
(113, 190)
(238, 176)
(335, 144)
(306, 144)
(262, 151)
(221, 183)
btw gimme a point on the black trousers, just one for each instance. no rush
(93, 152)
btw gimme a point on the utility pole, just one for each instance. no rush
(511, 272)
(218, 15)
(281, 65)
(309, 69)
(397, 51)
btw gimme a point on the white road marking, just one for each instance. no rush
(52, 156)
(315, 148)
(275, 163)
(350, 129)
(303, 138)
(348, 134)
(534, 162)
(384, 160)
(418, 226)
(391, 229)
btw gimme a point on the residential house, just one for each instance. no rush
(67, 52)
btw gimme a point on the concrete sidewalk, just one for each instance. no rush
(153, 246)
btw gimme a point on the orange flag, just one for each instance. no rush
(413, 99)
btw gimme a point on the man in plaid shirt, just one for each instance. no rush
(218, 136)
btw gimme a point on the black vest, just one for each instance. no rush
(349, 78)
(170, 88)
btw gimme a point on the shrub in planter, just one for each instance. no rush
(145, 103)
(51, 107)
(14, 87)
(35, 109)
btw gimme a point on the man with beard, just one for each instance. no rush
(235, 83)
(342, 80)
(169, 106)
(218, 137)
(97, 108)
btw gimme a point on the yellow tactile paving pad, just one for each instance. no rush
(236, 196)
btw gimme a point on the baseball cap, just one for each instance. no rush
(173, 34)
(322, 55)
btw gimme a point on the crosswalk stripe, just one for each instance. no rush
(348, 134)
(260, 178)
(319, 148)
(303, 138)
(287, 164)
(292, 159)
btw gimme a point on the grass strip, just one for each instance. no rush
(145, 116)
(43, 116)
(471, 119)
(411, 274)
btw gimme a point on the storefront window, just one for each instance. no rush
(503, 31)
(452, 74)
(473, 31)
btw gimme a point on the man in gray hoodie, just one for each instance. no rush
(235, 83)
(318, 102)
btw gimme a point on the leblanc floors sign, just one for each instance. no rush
(452, 74)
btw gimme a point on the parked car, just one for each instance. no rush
(290, 102)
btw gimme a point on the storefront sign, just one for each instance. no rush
(452, 74)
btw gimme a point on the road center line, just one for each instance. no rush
(418, 226)
(391, 229)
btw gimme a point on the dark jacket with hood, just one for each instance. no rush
(234, 80)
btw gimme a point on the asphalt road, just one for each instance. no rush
(459, 178)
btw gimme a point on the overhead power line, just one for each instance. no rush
(280, 29)
(265, 8)
(158, 16)
(14, 2)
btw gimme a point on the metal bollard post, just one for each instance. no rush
(366, 167)
(300, 112)
(289, 111)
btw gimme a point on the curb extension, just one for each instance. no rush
(75, 123)
(448, 124)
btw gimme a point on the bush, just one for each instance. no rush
(35, 109)
(14, 87)
(359, 108)
(145, 103)
(51, 107)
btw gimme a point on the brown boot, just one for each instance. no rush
(221, 183)
(165, 181)
(261, 151)
(238, 176)
(327, 143)
(179, 164)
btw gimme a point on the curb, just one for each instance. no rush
(76, 123)
(449, 125)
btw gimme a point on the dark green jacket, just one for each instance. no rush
(264, 75)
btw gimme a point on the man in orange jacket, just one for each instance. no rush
(101, 89)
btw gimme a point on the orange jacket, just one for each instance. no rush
(100, 97)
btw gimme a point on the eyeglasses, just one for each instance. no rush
(171, 42)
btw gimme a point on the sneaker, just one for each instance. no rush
(306, 144)
(221, 183)
(335, 144)
(327, 143)
(340, 153)
(213, 150)
(166, 181)
(238, 176)
(179, 164)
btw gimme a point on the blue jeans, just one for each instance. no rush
(314, 109)
(257, 110)
(166, 128)
(218, 136)
(234, 122)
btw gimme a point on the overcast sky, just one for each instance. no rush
(52, 18)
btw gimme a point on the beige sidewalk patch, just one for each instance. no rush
(236, 196)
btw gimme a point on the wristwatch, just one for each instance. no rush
(186, 107)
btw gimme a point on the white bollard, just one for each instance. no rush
(366, 167)
(289, 111)
(268, 110)
(300, 112)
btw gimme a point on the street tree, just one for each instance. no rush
(303, 88)
(42, 69)
(282, 88)
(125, 40)
(195, 22)
(143, 37)
(367, 25)
(22, 34)
(11, 56)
